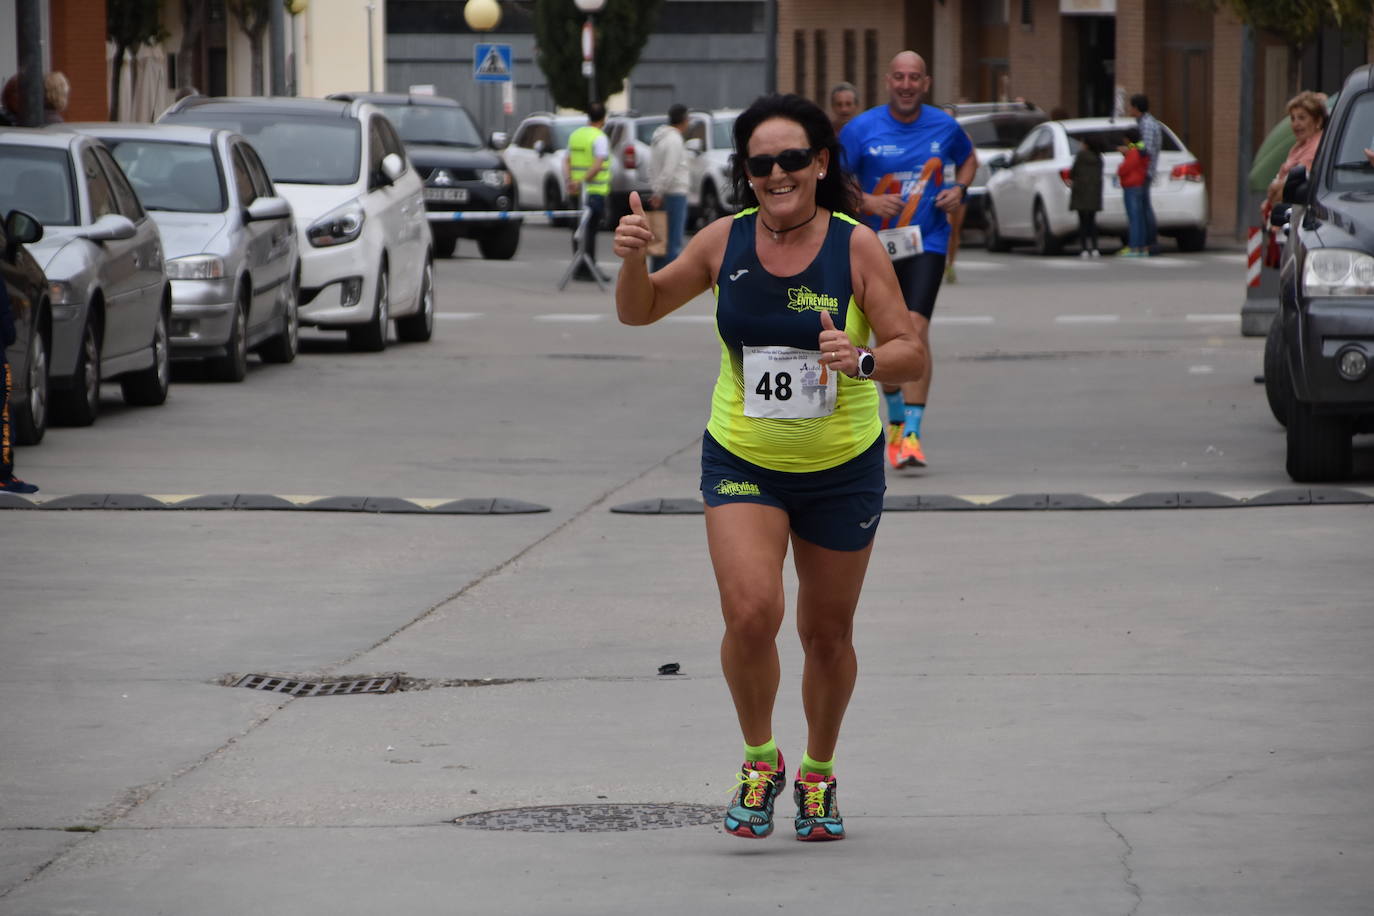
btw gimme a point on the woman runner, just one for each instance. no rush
(793, 450)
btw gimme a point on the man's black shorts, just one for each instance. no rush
(920, 277)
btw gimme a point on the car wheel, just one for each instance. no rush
(992, 235)
(284, 347)
(1194, 239)
(371, 337)
(419, 327)
(445, 245)
(31, 414)
(149, 387)
(1046, 242)
(233, 365)
(80, 405)
(501, 242)
(710, 209)
(1319, 447)
(1278, 387)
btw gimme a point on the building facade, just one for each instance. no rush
(1073, 58)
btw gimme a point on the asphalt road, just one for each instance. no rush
(1119, 710)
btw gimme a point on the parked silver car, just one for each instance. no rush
(230, 241)
(102, 254)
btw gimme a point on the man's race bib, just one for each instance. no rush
(785, 383)
(902, 242)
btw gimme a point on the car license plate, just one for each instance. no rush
(457, 195)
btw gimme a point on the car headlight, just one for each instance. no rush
(340, 225)
(196, 267)
(496, 178)
(60, 292)
(1338, 272)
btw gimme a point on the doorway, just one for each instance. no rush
(1096, 65)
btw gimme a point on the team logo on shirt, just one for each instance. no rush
(935, 147)
(886, 149)
(802, 299)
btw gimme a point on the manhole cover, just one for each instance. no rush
(592, 818)
(302, 688)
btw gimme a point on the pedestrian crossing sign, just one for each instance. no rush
(491, 63)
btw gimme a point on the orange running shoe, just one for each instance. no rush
(894, 444)
(911, 455)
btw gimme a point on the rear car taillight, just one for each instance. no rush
(1064, 176)
(1188, 171)
(628, 157)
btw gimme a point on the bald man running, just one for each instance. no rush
(899, 153)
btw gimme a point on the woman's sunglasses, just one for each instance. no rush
(789, 160)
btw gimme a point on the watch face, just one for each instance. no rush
(866, 364)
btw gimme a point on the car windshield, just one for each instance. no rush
(645, 127)
(183, 177)
(999, 133)
(434, 124)
(1108, 139)
(1353, 170)
(39, 182)
(723, 132)
(296, 148)
(562, 131)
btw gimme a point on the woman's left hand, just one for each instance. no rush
(837, 350)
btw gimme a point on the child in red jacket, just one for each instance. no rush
(1132, 174)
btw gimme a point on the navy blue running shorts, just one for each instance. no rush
(920, 276)
(838, 508)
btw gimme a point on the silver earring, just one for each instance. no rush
(822, 174)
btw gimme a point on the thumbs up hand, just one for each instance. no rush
(632, 234)
(837, 350)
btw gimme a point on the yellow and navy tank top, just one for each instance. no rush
(756, 309)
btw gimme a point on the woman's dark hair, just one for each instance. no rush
(837, 191)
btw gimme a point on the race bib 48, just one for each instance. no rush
(787, 384)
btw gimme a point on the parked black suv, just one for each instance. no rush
(460, 171)
(1321, 372)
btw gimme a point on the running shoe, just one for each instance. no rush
(911, 455)
(750, 814)
(818, 811)
(894, 444)
(15, 485)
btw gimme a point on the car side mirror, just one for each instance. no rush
(265, 208)
(1295, 186)
(998, 162)
(393, 166)
(21, 229)
(111, 228)
(1278, 216)
(695, 145)
(541, 147)
(499, 139)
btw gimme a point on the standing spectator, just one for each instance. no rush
(669, 179)
(587, 172)
(57, 91)
(1307, 116)
(1134, 173)
(1085, 196)
(844, 105)
(8, 482)
(1150, 137)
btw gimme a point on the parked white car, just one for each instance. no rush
(713, 189)
(103, 258)
(535, 157)
(1028, 193)
(363, 236)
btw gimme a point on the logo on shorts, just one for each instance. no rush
(801, 299)
(869, 524)
(731, 488)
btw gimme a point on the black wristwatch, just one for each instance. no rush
(866, 363)
(962, 187)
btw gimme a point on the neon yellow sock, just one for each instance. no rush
(823, 767)
(763, 753)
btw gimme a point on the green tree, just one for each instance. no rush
(129, 24)
(1299, 22)
(622, 28)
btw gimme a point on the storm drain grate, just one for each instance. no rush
(298, 688)
(592, 818)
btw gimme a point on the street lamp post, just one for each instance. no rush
(591, 8)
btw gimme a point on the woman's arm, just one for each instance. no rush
(643, 299)
(900, 356)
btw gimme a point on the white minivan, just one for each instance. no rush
(364, 238)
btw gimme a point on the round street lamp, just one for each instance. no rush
(591, 8)
(482, 15)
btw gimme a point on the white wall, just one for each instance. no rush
(332, 49)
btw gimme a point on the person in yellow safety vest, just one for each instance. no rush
(587, 168)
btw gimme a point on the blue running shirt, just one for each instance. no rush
(879, 148)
